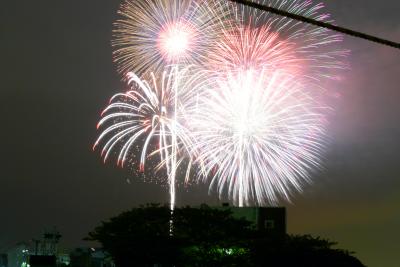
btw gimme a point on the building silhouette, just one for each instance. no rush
(267, 219)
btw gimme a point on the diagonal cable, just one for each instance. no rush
(318, 23)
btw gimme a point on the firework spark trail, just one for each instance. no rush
(148, 112)
(248, 48)
(260, 128)
(258, 135)
(264, 40)
(253, 124)
(152, 34)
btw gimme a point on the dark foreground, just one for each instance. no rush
(209, 237)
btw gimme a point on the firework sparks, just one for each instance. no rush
(153, 34)
(258, 135)
(250, 119)
(175, 41)
(260, 130)
(146, 115)
(248, 48)
(262, 40)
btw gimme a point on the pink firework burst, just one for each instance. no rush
(255, 48)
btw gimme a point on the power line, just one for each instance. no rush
(318, 23)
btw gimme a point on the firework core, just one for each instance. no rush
(175, 40)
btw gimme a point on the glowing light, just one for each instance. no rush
(250, 120)
(260, 128)
(146, 120)
(258, 135)
(265, 40)
(248, 48)
(152, 34)
(175, 41)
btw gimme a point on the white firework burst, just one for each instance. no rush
(149, 117)
(258, 135)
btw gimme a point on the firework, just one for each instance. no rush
(250, 120)
(260, 128)
(248, 48)
(155, 33)
(148, 118)
(258, 135)
(263, 40)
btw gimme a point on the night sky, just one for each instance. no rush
(57, 75)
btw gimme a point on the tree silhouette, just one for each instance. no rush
(208, 237)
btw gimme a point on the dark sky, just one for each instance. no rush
(57, 75)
